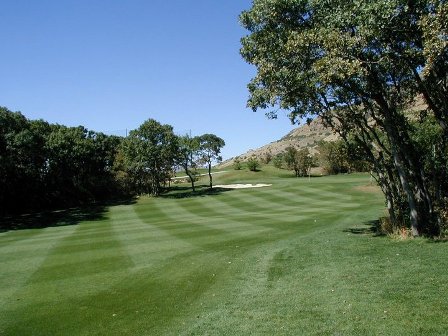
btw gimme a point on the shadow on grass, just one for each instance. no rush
(71, 216)
(437, 240)
(372, 228)
(187, 192)
(368, 228)
(291, 175)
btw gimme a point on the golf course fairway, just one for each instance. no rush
(298, 257)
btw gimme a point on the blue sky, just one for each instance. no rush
(109, 65)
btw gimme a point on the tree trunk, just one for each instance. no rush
(413, 211)
(210, 174)
(191, 177)
(409, 174)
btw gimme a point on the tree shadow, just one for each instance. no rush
(369, 228)
(187, 192)
(56, 218)
(372, 228)
(438, 240)
(290, 175)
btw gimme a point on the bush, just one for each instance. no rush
(237, 165)
(253, 164)
(278, 161)
(267, 158)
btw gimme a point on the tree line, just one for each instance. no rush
(361, 65)
(47, 166)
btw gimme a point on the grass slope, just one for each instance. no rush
(294, 258)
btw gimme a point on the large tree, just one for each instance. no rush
(149, 153)
(359, 65)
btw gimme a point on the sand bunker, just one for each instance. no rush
(242, 186)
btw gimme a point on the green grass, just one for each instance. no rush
(297, 258)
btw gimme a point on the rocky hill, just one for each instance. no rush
(310, 136)
(303, 136)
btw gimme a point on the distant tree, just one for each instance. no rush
(210, 147)
(237, 165)
(333, 157)
(298, 160)
(290, 158)
(189, 151)
(253, 164)
(149, 154)
(278, 161)
(340, 156)
(267, 157)
(304, 161)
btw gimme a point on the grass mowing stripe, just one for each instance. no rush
(314, 196)
(33, 239)
(206, 221)
(316, 271)
(49, 279)
(145, 243)
(192, 228)
(18, 260)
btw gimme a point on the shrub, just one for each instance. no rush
(278, 161)
(253, 164)
(237, 165)
(267, 157)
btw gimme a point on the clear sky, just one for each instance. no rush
(109, 65)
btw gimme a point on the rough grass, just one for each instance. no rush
(297, 258)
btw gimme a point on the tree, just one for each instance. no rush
(290, 157)
(304, 161)
(149, 154)
(358, 65)
(278, 161)
(22, 162)
(45, 166)
(333, 157)
(253, 164)
(237, 164)
(267, 157)
(210, 147)
(298, 160)
(79, 165)
(188, 156)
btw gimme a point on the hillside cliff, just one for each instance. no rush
(307, 135)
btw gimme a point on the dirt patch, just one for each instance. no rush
(369, 188)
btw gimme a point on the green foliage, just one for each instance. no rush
(149, 154)
(277, 161)
(237, 165)
(304, 161)
(433, 153)
(267, 158)
(253, 164)
(189, 148)
(300, 161)
(48, 166)
(210, 147)
(333, 157)
(45, 166)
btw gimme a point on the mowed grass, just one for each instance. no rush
(296, 258)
